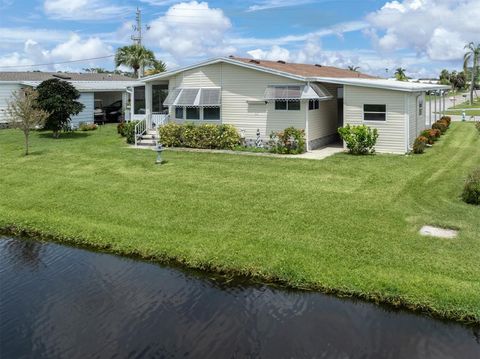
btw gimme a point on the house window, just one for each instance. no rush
(313, 104)
(193, 113)
(374, 112)
(159, 94)
(287, 105)
(139, 100)
(420, 107)
(211, 113)
(179, 112)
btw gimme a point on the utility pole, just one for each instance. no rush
(137, 34)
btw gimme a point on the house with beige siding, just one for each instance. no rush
(259, 97)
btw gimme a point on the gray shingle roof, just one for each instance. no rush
(70, 76)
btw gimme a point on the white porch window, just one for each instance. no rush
(374, 112)
(139, 100)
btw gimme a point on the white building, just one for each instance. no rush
(265, 96)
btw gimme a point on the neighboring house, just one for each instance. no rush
(258, 96)
(94, 88)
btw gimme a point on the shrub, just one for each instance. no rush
(441, 126)
(170, 134)
(206, 136)
(121, 128)
(289, 141)
(471, 190)
(437, 133)
(447, 119)
(360, 140)
(87, 127)
(420, 144)
(477, 126)
(228, 137)
(129, 131)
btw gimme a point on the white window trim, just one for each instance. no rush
(374, 121)
(201, 119)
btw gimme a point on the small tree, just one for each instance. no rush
(59, 99)
(24, 114)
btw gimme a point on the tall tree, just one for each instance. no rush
(134, 56)
(158, 67)
(59, 99)
(400, 74)
(353, 68)
(473, 54)
(444, 77)
(24, 114)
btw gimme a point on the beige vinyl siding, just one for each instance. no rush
(243, 102)
(323, 122)
(416, 122)
(392, 131)
(6, 91)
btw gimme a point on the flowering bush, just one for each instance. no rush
(87, 127)
(289, 141)
(420, 144)
(360, 140)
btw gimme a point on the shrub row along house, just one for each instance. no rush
(259, 97)
(98, 92)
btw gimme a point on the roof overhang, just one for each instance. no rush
(92, 86)
(382, 84)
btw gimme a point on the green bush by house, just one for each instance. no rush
(360, 140)
(129, 131)
(471, 190)
(206, 136)
(420, 144)
(289, 141)
(87, 127)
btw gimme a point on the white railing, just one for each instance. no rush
(140, 129)
(159, 119)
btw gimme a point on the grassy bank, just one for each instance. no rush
(459, 112)
(344, 224)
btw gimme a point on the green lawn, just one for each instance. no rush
(345, 224)
(466, 105)
(459, 112)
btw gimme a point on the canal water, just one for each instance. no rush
(62, 302)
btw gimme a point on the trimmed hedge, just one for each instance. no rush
(205, 136)
(471, 190)
(129, 131)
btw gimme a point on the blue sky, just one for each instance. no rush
(422, 36)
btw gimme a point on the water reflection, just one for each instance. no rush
(57, 301)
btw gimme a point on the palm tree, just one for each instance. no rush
(473, 53)
(400, 74)
(135, 56)
(158, 66)
(353, 68)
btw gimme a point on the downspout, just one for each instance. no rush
(407, 123)
(306, 122)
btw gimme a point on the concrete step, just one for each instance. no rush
(146, 142)
(149, 137)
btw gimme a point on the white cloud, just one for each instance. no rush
(273, 4)
(84, 9)
(75, 48)
(437, 28)
(191, 30)
(21, 34)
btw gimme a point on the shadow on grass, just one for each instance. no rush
(65, 135)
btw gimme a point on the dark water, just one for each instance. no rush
(63, 302)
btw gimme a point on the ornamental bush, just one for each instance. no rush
(129, 131)
(207, 136)
(441, 126)
(431, 134)
(87, 126)
(471, 189)
(289, 141)
(447, 119)
(360, 140)
(420, 144)
(121, 128)
(170, 134)
(477, 126)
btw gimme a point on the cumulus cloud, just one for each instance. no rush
(191, 29)
(273, 4)
(437, 28)
(84, 9)
(75, 48)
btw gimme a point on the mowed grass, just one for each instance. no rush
(345, 224)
